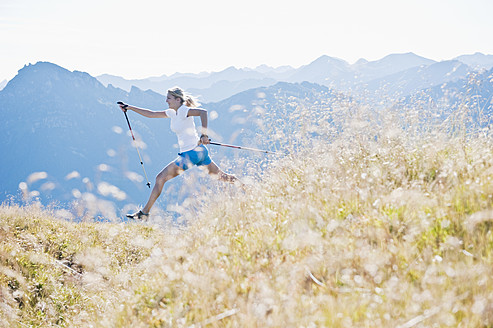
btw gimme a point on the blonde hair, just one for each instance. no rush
(186, 98)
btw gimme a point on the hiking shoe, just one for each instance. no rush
(141, 216)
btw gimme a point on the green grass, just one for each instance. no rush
(348, 232)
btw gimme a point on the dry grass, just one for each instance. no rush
(371, 222)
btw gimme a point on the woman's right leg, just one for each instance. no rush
(169, 172)
(216, 171)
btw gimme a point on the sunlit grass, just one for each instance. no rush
(370, 221)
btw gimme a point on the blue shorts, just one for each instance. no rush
(197, 156)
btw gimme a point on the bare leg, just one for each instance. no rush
(169, 172)
(215, 170)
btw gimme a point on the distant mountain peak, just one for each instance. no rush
(402, 54)
(46, 77)
(477, 60)
(263, 66)
(361, 61)
(407, 56)
(265, 69)
(230, 69)
(324, 59)
(41, 65)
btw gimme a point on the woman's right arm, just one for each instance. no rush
(144, 112)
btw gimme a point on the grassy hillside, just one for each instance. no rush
(370, 223)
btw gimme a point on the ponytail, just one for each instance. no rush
(190, 101)
(186, 98)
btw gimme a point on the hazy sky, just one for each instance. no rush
(137, 39)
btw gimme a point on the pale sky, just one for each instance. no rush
(139, 39)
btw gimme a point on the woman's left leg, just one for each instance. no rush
(169, 172)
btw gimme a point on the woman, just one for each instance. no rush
(182, 109)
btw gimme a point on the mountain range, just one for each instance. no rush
(325, 70)
(64, 138)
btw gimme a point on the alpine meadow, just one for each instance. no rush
(376, 213)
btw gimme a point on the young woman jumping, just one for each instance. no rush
(182, 109)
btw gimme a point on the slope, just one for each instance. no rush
(356, 232)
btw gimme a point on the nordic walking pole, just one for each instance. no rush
(136, 147)
(244, 148)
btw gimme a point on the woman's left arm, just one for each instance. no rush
(204, 138)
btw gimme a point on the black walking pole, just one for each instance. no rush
(241, 147)
(136, 147)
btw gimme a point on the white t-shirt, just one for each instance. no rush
(184, 127)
